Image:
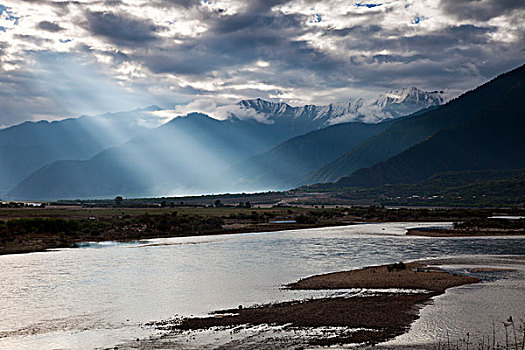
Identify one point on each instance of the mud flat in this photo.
(402, 276)
(389, 301)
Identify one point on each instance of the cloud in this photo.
(480, 10)
(300, 51)
(215, 110)
(174, 3)
(62, 85)
(235, 41)
(121, 29)
(50, 26)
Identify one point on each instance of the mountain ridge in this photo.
(26, 147)
(237, 138)
(283, 165)
(413, 130)
(185, 152)
(492, 140)
(390, 105)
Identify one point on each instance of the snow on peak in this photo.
(411, 95)
(392, 104)
(263, 106)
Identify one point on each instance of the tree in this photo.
(118, 200)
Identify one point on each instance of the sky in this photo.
(67, 58)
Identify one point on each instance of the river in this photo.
(104, 293)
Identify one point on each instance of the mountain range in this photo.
(283, 166)
(482, 129)
(402, 137)
(391, 105)
(195, 153)
(27, 147)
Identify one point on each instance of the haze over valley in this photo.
(103, 156)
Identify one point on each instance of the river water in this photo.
(104, 293)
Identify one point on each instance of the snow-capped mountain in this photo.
(392, 104)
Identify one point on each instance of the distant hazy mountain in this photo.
(390, 105)
(186, 155)
(26, 147)
(282, 166)
(413, 130)
(482, 129)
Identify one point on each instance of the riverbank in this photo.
(24, 230)
(477, 227)
(365, 318)
(37, 242)
(31, 243)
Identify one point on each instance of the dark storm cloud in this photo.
(469, 33)
(480, 10)
(360, 31)
(241, 39)
(260, 34)
(121, 29)
(263, 6)
(452, 57)
(3, 47)
(395, 58)
(112, 3)
(441, 40)
(267, 48)
(427, 44)
(50, 26)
